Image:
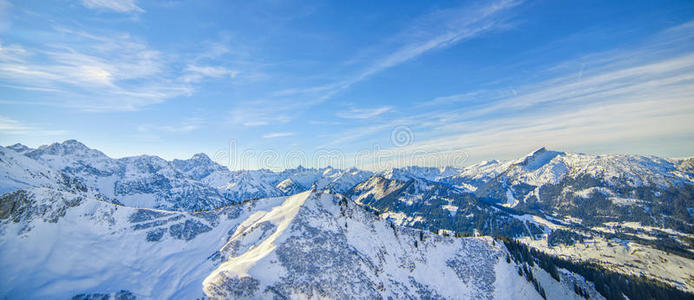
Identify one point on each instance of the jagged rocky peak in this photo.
(289, 187)
(198, 167)
(317, 245)
(686, 164)
(201, 158)
(448, 171)
(65, 148)
(538, 158)
(355, 170)
(395, 174)
(18, 147)
(71, 148)
(413, 172)
(146, 160)
(70, 153)
(487, 163)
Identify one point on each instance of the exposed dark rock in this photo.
(121, 295)
(188, 230)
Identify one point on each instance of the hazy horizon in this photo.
(287, 161)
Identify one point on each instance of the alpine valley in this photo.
(75, 223)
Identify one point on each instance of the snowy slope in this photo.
(69, 202)
(73, 244)
(548, 167)
(427, 173)
(18, 171)
(319, 245)
(310, 245)
(590, 189)
(643, 201)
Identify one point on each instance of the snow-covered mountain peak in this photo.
(298, 236)
(68, 147)
(538, 158)
(198, 167)
(448, 171)
(414, 172)
(289, 187)
(70, 153)
(327, 171)
(19, 171)
(18, 147)
(200, 159)
(320, 245)
(145, 164)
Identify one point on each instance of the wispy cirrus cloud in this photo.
(187, 125)
(195, 73)
(622, 97)
(11, 126)
(278, 135)
(99, 72)
(364, 113)
(258, 113)
(111, 71)
(434, 31)
(437, 30)
(122, 6)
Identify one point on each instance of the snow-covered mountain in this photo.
(591, 190)
(550, 198)
(63, 243)
(310, 245)
(428, 173)
(551, 167)
(433, 205)
(80, 220)
(146, 181)
(319, 245)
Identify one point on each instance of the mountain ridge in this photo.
(547, 199)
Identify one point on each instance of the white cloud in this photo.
(122, 6)
(443, 29)
(95, 72)
(13, 127)
(623, 101)
(260, 113)
(458, 98)
(434, 31)
(195, 73)
(278, 134)
(187, 125)
(255, 123)
(364, 113)
(605, 126)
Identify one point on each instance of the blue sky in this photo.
(409, 82)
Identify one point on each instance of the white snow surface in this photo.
(545, 166)
(150, 181)
(309, 245)
(94, 248)
(274, 252)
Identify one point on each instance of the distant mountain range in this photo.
(78, 221)
(147, 181)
